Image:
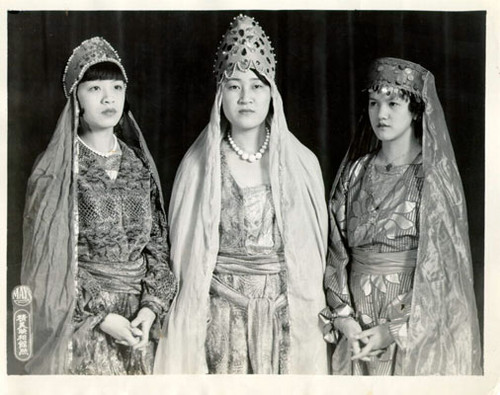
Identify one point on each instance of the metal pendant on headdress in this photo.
(244, 46)
(392, 74)
(88, 53)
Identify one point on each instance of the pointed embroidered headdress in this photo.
(244, 46)
(88, 53)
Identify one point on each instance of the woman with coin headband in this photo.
(248, 230)
(399, 275)
(95, 251)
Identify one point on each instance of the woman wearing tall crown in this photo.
(95, 253)
(248, 228)
(399, 273)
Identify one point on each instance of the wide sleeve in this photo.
(336, 280)
(159, 284)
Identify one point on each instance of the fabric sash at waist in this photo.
(244, 264)
(117, 276)
(262, 326)
(381, 263)
(217, 287)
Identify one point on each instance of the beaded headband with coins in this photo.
(88, 53)
(244, 46)
(396, 76)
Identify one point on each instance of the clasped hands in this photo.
(133, 333)
(374, 340)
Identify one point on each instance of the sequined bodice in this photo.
(248, 221)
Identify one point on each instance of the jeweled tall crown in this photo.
(396, 73)
(244, 46)
(88, 53)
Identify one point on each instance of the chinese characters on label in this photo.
(22, 321)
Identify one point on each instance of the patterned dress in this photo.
(376, 211)
(248, 329)
(122, 259)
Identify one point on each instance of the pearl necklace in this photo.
(245, 155)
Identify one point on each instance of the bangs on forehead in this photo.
(103, 71)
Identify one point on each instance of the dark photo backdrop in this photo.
(322, 57)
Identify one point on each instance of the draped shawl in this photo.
(443, 332)
(194, 216)
(50, 235)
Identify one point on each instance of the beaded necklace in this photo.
(245, 155)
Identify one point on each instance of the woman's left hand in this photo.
(144, 319)
(375, 339)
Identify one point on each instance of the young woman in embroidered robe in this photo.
(95, 251)
(399, 274)
(248, 230)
